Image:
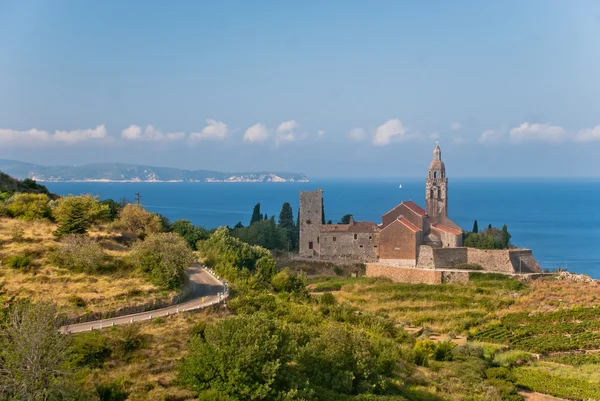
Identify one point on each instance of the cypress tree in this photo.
(256, 216)
(505, 237)
(266, 217)
(322, 212)
(475, 227)
(286, 217)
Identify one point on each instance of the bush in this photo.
(137, 220)
(190, 233)
(89, 349)
(18, 261)
(28, 206)
(164, 257)
(287, 281)
(129, 340)
(468, 266)
(512, 358)
(79, 254)
(443, 351)
(327, 299)
(469, 350)
(76, 300)
(75, 214)
(111, 392)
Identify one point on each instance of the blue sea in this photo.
(558, 218)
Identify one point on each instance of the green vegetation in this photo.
(138, 221)
(566, 387)
(190, 233)
(490, 238)
(11, 185)
(164, 257)
(76, 214)
(564, 330)
(27, 206)
(79, 253)
(346, 219)
(267, 233)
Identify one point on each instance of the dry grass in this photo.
(151, 372)
(550, 294)
(99, 292)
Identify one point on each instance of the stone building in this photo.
(396, 240)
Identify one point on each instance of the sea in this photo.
(559, 219)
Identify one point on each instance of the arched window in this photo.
(435, 174)
(431, 193)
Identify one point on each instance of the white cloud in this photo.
(215, 130)
(134, 132)
(357, 134)
(81, 134)
(30, 137)
(286, 131)
(537, 132)
(459, 139)
(455, 126)
(589, 134)
(391, 130)
(320, 132)
(35, 137)
(489, 136)
(257, 133)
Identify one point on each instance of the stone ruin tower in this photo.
(436, 188)
(311, 210)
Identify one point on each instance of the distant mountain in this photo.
(117, 172)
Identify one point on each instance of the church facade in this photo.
(396, 240)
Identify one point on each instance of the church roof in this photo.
(408, 224)
(447, 229)
(357, 227)
(415, 208)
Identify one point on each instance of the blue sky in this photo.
(328, 88)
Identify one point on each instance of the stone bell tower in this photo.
(436, 187)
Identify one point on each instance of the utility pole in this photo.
(137, 198)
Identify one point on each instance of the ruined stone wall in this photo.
(494, 260)
(343, 246)
(404, 275)
(399, 242)
(455, 277)
(311, 204)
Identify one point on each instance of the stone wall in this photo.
(344, 246)
(455, 277)
(448, 239)
(494, 260)
(404, 275)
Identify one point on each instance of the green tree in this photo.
(28, 206)
(33, 355)
(256, 215)
(322, 212)
(286, 217)
(190, 233)
(505, 237)
(346, 219)
(113, 208)
(243, 358)
(75, 214)
(238, 225)
(164, 257)
(264, 233)
(475, 227)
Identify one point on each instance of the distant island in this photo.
(119, 172)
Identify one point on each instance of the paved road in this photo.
(205, 293)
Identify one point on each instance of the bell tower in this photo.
(436, 187)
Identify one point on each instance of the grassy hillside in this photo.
(76, 293)
(10, 184)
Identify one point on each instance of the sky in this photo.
(328, 88)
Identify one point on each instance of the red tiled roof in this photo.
(408, 224)
(415, 208)
(446, 229)
(357, 227)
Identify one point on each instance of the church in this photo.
(396, 240)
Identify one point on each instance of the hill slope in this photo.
(137, 173)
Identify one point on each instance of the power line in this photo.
(138, 197)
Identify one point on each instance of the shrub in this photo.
(469, 350)
(443, 351)
(190, 233)
(501, 373)
(129, 340)
(75, 214)
(512, 358)
(287, 281)
(137, 220)
(28, 206)
(468, 266)
(164, 257)
(76, 300)
(327, 299)
(18, 261)
(79, 254)
(89, 349)
(111, 392)
(338, 271)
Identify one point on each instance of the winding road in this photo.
(206, 290)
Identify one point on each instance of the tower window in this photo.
(435, 174)
(355, 236)
(431, 193)
(310, 245)
(334, 239)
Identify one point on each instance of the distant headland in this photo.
(119, 172)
